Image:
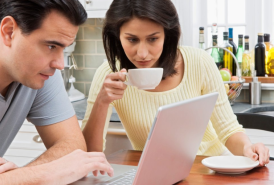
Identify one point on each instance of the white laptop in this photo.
(171, 146)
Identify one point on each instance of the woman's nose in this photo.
(142, 51)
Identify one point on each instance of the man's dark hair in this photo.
(30, 14)
(162, 12)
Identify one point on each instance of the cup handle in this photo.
(128, 82)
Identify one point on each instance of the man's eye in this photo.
(52, 47)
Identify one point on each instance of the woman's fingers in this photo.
(258, 152)
(119, 76)
(263, 153)
(115, 84)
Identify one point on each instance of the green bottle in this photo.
(240, 51)
(215, 53)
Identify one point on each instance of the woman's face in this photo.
(142, 41)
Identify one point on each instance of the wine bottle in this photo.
(227, 57)
(231, 42)
(268, 62)
(260, 56)
(240, 51)
(246, 61)
(214, 53)
(201, 38)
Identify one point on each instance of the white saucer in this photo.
(230, 164)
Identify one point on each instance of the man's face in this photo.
(35, 57)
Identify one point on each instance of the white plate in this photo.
(230, 164)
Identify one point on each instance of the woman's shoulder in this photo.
(104, 67)
(192, 51)
(192, 55)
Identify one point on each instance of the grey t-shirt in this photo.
(44, 106)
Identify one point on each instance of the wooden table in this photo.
(260, 79)
(200, 174)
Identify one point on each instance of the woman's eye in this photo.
(52, 47)
(152, 39)
(132, 40)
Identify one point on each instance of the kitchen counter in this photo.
(80, 109)
(116, 128)
(248, 108)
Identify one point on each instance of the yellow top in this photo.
(137, 108)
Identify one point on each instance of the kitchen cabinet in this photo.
(96, 8)
(26, 146)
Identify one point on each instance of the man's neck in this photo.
(5, 81)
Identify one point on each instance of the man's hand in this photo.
(76, 165)
(6, 165)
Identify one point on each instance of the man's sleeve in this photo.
(51, 104)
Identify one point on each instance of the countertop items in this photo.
(260, 79)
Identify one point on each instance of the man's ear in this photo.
(7, 27)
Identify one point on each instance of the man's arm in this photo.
(60, 139)
(64, 170)
(25, 175)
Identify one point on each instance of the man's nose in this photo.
(58, 62)
(142, 50)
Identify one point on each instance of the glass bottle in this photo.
(240, 51)
(231, 42)
(214, 29)
(268, 47)
(246, 60)
(227, 57)
(260, 56)
(214, 53)
(201, 38)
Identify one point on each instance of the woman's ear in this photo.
(7, 28)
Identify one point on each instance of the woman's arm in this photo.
(239, 144)
(112, 89)
(224, 121)
(94, 129)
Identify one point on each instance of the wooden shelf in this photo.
(260, 79)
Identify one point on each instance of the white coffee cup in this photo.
(144, 78)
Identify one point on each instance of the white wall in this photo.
(193, 14)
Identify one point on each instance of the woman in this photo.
(145, 34)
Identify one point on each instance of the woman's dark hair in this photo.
(162, 12)
(30, 14)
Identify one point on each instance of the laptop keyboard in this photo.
(124, 179)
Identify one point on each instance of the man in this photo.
(33, 34)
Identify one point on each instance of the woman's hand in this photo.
(257, 152)
(6, 165)
(113, 87)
